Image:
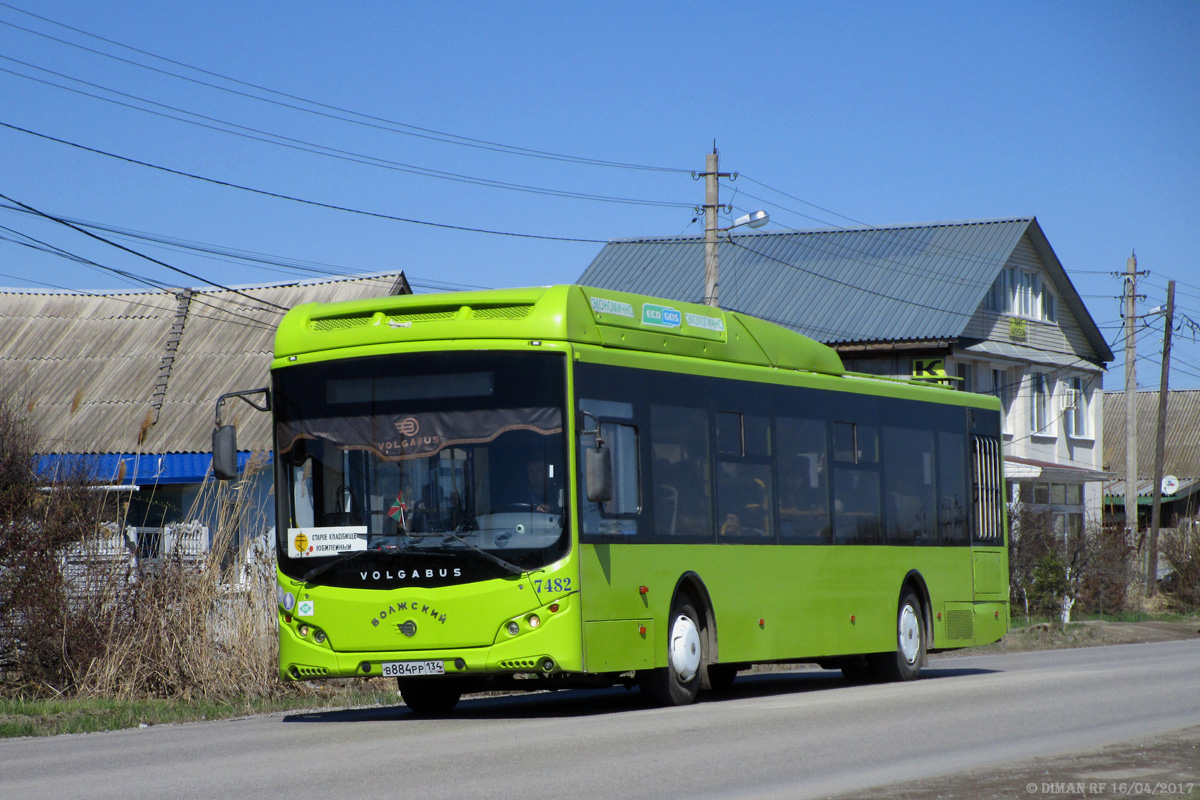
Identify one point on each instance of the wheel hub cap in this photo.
(684, 650)
(910, 634)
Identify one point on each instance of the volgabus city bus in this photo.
(565, 486)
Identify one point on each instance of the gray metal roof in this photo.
(86, 366)
(1181, 451)
(879, 284)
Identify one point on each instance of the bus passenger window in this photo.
(857, 512)
(908, 479)
(619, 516)
(681, 471)
(744, 504)
(627, 490)
(952, 487)
(802, 445)
(744, 500)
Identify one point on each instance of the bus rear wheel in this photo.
(905, 663)
(426, 697)
(678, 683)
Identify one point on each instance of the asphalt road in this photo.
(779, 735)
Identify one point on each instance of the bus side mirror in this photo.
(224, 452)
(598, 471)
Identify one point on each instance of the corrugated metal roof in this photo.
(1114, 491)
(86, 366)
(854, 285)
(848, 285)
(1181, 449)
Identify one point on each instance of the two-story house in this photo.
(983, 304)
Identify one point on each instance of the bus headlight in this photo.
(513, 628)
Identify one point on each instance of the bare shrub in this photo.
(1181, 552)
(1052, 570)
(1105, 588)
(200, 627)
(49, 632)
(80, 613)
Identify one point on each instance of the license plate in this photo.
(401, 669)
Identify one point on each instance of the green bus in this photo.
(564, 486)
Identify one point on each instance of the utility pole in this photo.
(1131, 520)
(1160, 442)
(711, 204)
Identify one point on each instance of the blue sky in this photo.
(1083, 114)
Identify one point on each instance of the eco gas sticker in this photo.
(705, 322)
(602, 305)
(306, 608)
(660, 316)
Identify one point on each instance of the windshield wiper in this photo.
(495, 559)
(343, 558)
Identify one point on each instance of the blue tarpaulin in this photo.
(140, 469)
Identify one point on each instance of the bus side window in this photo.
(627, 488)
(952, 487)
(682, 472)
(857, 511)
(744, 503)
(620, 516)
(802, 446)
(908, 478)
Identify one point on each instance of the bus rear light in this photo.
(554, 608)
(534, 620)
(513, 629)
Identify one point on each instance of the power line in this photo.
(314, 148)
(280, 196)
(368, 120)
(130, 250)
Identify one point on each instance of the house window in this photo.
(1041, 388)
(1002, 387)
(1021, 292)
(1061, 503)
(1075, 413)
(966, 377)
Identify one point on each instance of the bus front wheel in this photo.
(428, 697)
(678, 683)
(905, 663)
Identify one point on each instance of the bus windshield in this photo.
(420, 469)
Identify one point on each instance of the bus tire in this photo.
(678, 683)
(428, 698)
(904, 664)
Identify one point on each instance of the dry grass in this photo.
(200, 627)
(82, 616)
